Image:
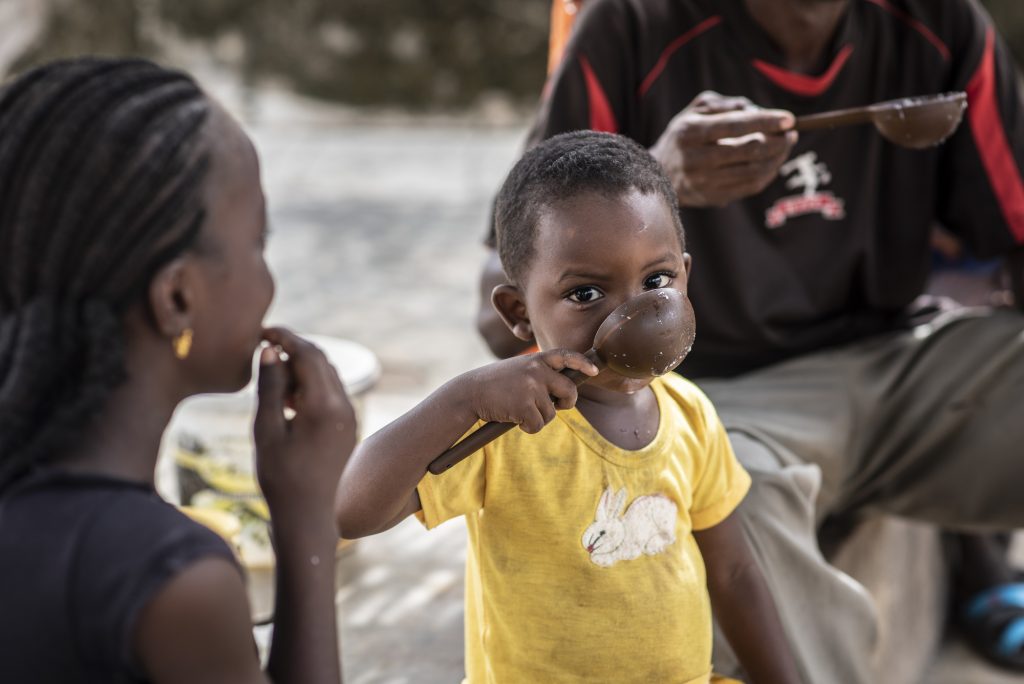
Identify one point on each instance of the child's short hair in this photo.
(564, 166)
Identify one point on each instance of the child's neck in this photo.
(629, 421)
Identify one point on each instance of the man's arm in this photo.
(744, 606)
(980, 196)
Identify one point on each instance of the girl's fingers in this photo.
(309, 366)
(272, 387)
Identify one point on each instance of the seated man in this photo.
(812, 250)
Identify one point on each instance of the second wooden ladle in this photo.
(644, 337)
(915, 122)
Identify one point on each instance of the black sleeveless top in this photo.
(80, 557)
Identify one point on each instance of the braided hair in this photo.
(101, 170)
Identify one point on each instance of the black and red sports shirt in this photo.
(838, 246)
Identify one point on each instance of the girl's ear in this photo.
(171, 299)
(687, 266)
(508, 301)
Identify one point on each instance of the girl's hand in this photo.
(526, 390)
(299, 459)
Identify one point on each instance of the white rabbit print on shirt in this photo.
(647, 527)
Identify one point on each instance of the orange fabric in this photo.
(532, 349)
(563, 16)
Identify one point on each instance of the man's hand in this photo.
(720, 149)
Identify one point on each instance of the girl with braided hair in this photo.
(132, 226)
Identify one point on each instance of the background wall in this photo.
(436, 55)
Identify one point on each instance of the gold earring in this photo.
(183, 344)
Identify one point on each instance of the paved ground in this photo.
(375, 238)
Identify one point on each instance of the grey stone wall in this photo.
(440, 55)
(418, 54)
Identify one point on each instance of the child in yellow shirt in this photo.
(593, 545)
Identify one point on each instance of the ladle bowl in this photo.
(644, 337)
(914, 122)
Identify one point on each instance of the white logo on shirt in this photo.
(648, 527)
(805, 171)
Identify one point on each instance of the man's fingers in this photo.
(711, 101)
(757, 170)
(704, 98)
(706, 128)
(734, 173)
(725, 193)
(752, 149)
(722, 104)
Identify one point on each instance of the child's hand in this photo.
(299, 460)
(526, 390)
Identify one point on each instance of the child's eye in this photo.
(653, 282)
(584, 295)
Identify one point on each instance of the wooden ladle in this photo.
(914, 122)
(644, 337)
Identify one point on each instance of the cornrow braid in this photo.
(101, 170)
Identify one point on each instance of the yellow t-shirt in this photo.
(582, 566)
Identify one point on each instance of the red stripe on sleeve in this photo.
(990, 137)
(602, 118)
(679, 42)
(802, 84)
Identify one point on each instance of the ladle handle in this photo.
(835, 119)
(489, 432)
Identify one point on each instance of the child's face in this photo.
(593, 253)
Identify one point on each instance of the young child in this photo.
(132, 226)
(594, 544)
